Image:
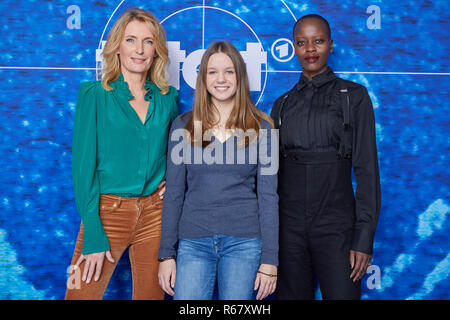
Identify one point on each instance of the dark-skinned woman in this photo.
(327, 127)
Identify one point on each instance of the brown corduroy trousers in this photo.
(128, 222)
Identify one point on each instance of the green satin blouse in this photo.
(113, 152)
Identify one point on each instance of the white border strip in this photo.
(287, 7)
(110, 17)
(203, 25)
(371, 72)
(268, 71)
(47, 68)
(410, 73)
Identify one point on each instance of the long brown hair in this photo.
(244, 116)
(157, 72)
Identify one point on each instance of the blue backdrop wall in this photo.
(397, 49)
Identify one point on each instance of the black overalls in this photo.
(320, 218)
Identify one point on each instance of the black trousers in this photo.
(317, 216)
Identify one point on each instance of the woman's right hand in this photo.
(167, 275)
(94, 263)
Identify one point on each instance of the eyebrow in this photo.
(315, 37)
(216, 68)
(131, 36)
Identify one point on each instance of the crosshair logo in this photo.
(185, 56)
(254, 55)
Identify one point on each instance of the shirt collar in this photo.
(122, 88)
(317, 81)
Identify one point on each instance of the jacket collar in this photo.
(317, 81)
(122, 88)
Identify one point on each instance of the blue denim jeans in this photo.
(231, 261)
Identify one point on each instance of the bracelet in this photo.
(166, 258)
(268, 274)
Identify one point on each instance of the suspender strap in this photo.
(345, 147)
(346, 110)
(279, 122)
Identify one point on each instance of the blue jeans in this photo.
(232, 261)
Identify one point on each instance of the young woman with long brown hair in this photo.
(221, 203)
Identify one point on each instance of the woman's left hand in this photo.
(266, 281)
(163, 190)
(359, 262)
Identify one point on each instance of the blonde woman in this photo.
(222, 208)
(119, 158)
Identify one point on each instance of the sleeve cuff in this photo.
(166, 252)
(94, 236)
(269, 258)
(363, 241)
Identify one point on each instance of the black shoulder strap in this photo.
(280, 110)
(279, 120)
(345, 147)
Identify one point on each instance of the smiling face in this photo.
(312, 46)
(137, 50)
(221, 80)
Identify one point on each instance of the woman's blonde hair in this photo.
(244, 116)
(157, 72)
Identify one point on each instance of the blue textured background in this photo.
(38, 217)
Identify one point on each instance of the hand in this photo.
(167, 275)
(264, 281)
(163, 190)
(359, 262)
(94, 262)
